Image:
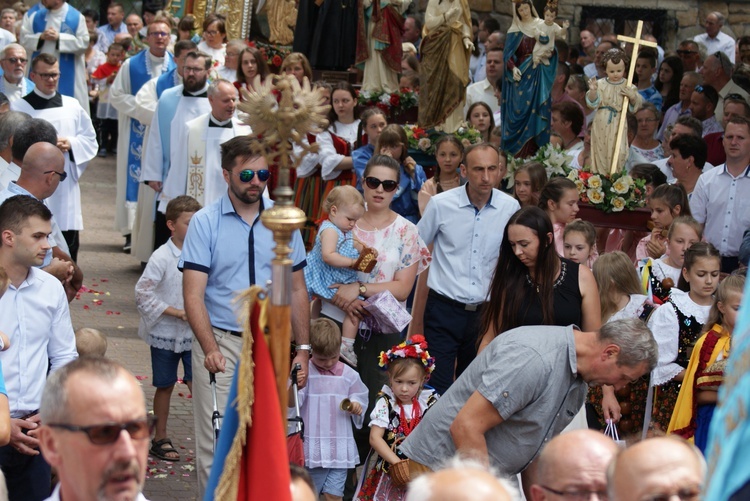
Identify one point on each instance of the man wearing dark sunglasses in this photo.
(96, 431)
(227, 249)
(14, 83)
(34, 314)
(717, 72)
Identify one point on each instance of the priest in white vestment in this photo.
(196, 168)
(132, 121)
(76, 138)
(176, 107)
(145, 100)
(59, 29)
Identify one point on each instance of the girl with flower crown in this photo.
(398, 410)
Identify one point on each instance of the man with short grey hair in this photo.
(8, 124)
(524, 388)
(96, 431)
(714, 39)
(14, 83)
(657, 468)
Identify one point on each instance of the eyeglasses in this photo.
(388, 186)
(686, 494)
(48, 76)
(190, 69)
(158, 34)
(16, 60)
(734, 97)
(699, 89)
(647, 120)
(211, 33)
(247, 175)
(63, 175)
(108, 433)
(577, 495)
(686, 52)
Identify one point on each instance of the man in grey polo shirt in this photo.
(524, 388)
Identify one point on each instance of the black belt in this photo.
(453, 302)
(231, 333)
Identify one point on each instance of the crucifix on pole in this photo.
(637, 42)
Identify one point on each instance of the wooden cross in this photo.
(637, 42)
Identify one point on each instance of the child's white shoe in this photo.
(347, 355)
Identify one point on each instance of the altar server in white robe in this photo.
(76, 138)
(176, 107)
(132, 121)
(57, 28)
(196, 169)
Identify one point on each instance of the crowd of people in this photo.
(457, 314)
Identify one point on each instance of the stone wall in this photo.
(688, 14)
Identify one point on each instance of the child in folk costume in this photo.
(398, 410)
(677, 324)
(704, 375)
(658, 276)
(620, 296)
(667, 202)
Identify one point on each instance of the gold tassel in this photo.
(230, 476)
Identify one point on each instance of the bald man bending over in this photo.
(561, 474)
(462, 480)
(662, 467)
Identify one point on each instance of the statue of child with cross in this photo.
(610, 96)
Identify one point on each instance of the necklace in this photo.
(405, 427)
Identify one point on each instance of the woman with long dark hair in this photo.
(668, 81)
(533, 285)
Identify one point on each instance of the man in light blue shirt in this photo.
(114, 27)
(227, 249)
(464, 228)
(34, 313)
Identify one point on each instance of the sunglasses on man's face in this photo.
(247, 175)
(108, 433)
(388, 186)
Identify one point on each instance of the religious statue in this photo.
(606, 96)
(527, 88)
(326, 33)
(379, 30)
(546, 33)
(446, 39)
(282, 16)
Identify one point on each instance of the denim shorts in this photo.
(329, 480)
(164, 365)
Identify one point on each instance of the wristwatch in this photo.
(362, 289)
(303, 347)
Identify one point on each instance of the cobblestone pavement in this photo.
(107, 303)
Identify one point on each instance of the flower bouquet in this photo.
(424, 140)
(274, 54)
(614, 193)
(556, 162)
(390, 102)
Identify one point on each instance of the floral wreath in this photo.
(414, 347)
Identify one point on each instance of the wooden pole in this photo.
(637, 42)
